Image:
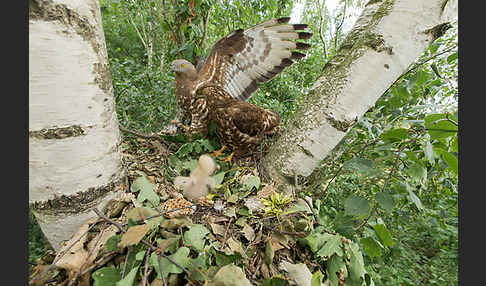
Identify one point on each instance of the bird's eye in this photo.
(183, 66)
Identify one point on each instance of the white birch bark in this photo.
(74, 155)
(387, 37)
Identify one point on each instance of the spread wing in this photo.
(244, 58)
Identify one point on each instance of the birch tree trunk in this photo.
(387, 37)
(74, 154)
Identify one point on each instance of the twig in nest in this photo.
(107, 257)
(226, 232)
(125, 263)
(86, 260)
(159, 257)
(43, 273)
(145, 271)
(145, 136)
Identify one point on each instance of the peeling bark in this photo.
(74, 155)
(387, 37)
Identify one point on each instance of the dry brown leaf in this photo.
(157, 282)
(217, 229)
(175, 223)
(259, 236)
(216, 219)
(234, 246)
(248, 232)
(281, 240)
(76, 256)
(133, 235)
(139, 213)
(265, 271)
(297, 272)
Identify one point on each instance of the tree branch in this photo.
(205, 32)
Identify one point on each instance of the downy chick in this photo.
(196, 185)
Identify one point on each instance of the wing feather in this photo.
(245, 58)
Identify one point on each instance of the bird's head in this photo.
(207, 164)
(182, 66)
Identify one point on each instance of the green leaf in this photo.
(394, 135)
(371, 247)
(231, 275)
(344, 224)
(207, 145)
(452, 57)
(197, 148)
(385, 201)
(417, 171)
(129, 279)
(190, 165)
(146, 190)
(333, 245)
(316, 240)
(413, 198)
(195, 237)
(439, 127)
(356, 264)
(225, 259)
(252, 181)
(333, 267)
(181, 257)
(112, 243)
(356, 206)
(454, 145)
(106, 276)
(421, 77)
(451, 160)
(174, 162)
(184, 150)
(364, 166)
(384, 235)
(218, 178)
(434, 47)
(275, 281)
(317, 278)
(269, 252)
(140, 255)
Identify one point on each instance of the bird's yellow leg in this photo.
(229, 158)
(219, 152)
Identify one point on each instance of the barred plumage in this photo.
(236, 65)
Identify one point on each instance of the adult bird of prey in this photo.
(235, 66)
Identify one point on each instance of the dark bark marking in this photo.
(76, 203)
(57, 133)
(343, 125)
(439, 30)
(377, 43)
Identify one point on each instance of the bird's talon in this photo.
(228, 159)
(219, 152)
